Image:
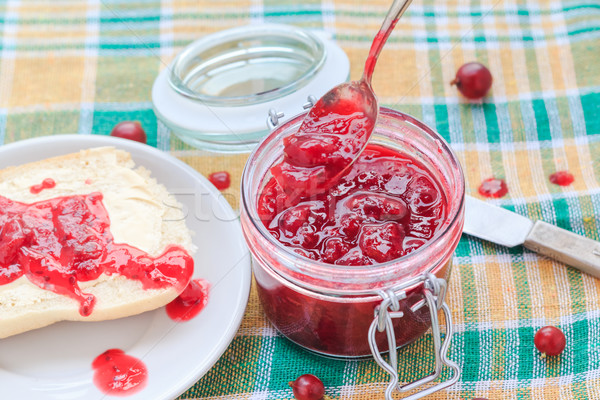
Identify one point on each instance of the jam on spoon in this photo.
(337, 128)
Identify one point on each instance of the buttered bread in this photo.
(87, 237)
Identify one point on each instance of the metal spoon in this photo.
(336, 129)
(358, 97)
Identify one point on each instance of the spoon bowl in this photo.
(331, 136)
(349, 110)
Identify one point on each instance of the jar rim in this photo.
(322, 269)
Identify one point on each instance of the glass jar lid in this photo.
(217, 93)
(247, 66)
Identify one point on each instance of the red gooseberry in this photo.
(308, 387)
(131, 130)
(473, 80)
(550, 341)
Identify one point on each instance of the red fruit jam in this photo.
(60, 242)
(190, 302)
(385, 207)
(221, 179)
(118, 374)
(493, 187)
(47, 183)
(323, 258)
(562, 178)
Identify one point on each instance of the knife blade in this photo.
(506, 228)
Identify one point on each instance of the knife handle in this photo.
(565, 246)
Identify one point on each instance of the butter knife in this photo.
(506, 228)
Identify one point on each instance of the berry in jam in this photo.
(60, 242)
(386, 206)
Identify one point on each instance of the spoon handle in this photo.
(393, 15)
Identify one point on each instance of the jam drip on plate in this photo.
(60, 242)
(190, 302)
(119, 374)
(386, 206)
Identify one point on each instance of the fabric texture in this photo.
(81, 67)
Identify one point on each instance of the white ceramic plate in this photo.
(55, 362)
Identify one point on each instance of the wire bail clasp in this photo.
(434, 290)
(275, 116)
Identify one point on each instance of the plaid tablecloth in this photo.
(82, 66)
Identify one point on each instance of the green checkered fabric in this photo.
(82, 67)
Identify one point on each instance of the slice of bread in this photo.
(142, 214)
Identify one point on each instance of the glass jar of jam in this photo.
(362, 268)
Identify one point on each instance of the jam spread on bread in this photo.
(61, 242)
